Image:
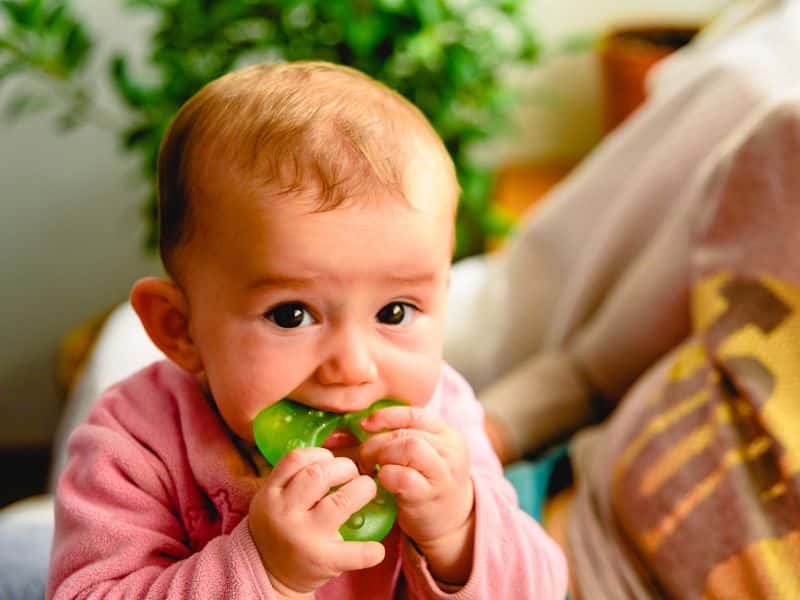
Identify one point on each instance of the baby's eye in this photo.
(396, 313)
(290, 315)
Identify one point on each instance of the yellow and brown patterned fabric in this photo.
(692, 489)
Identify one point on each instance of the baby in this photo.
(306, 224)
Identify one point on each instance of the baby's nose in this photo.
(348, 361)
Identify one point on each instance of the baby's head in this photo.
(307, 223)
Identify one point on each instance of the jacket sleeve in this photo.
(512, 557)
(119, 535)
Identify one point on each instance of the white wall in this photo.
(560, 112)
(562, 17)
(70, 237)
(70, 231)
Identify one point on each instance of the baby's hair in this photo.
(312, 128)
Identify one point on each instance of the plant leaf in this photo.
(20, 12)
(75, 48)
(137, 134)
(133, 94)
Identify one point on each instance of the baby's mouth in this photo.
(339, 439)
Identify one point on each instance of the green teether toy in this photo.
(286, 425)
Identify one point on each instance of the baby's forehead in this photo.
(424, 190)
(243, 218)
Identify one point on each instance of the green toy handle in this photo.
(286, 425)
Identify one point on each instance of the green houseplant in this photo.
(444, 55)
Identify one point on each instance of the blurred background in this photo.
(520, 91)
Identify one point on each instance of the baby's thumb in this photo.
(353, 556)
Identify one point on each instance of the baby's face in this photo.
(333, 309)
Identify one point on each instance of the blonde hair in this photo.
(302, 126)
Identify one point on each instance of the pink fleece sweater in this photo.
(153, 503)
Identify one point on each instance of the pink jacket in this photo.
(154, 501)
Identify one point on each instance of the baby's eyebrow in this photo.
(280, 281)
(294, 282)
(415, 279)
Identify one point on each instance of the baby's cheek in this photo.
(420, 386)
(238, 403)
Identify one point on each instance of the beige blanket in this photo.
(692, 490)
(594, 288)
(664, 276)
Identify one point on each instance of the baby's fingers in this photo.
(294, 461)
(405, 483)
(406, 448)
(403, 417)
(338, 506)
(354, 556)
(313, 481)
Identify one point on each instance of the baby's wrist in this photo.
(281, 590)
(284, 592)
(449, 557)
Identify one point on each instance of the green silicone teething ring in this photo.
(286, 425)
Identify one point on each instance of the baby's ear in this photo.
(164, 312)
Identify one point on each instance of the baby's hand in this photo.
(425, 463)
(295, 522)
